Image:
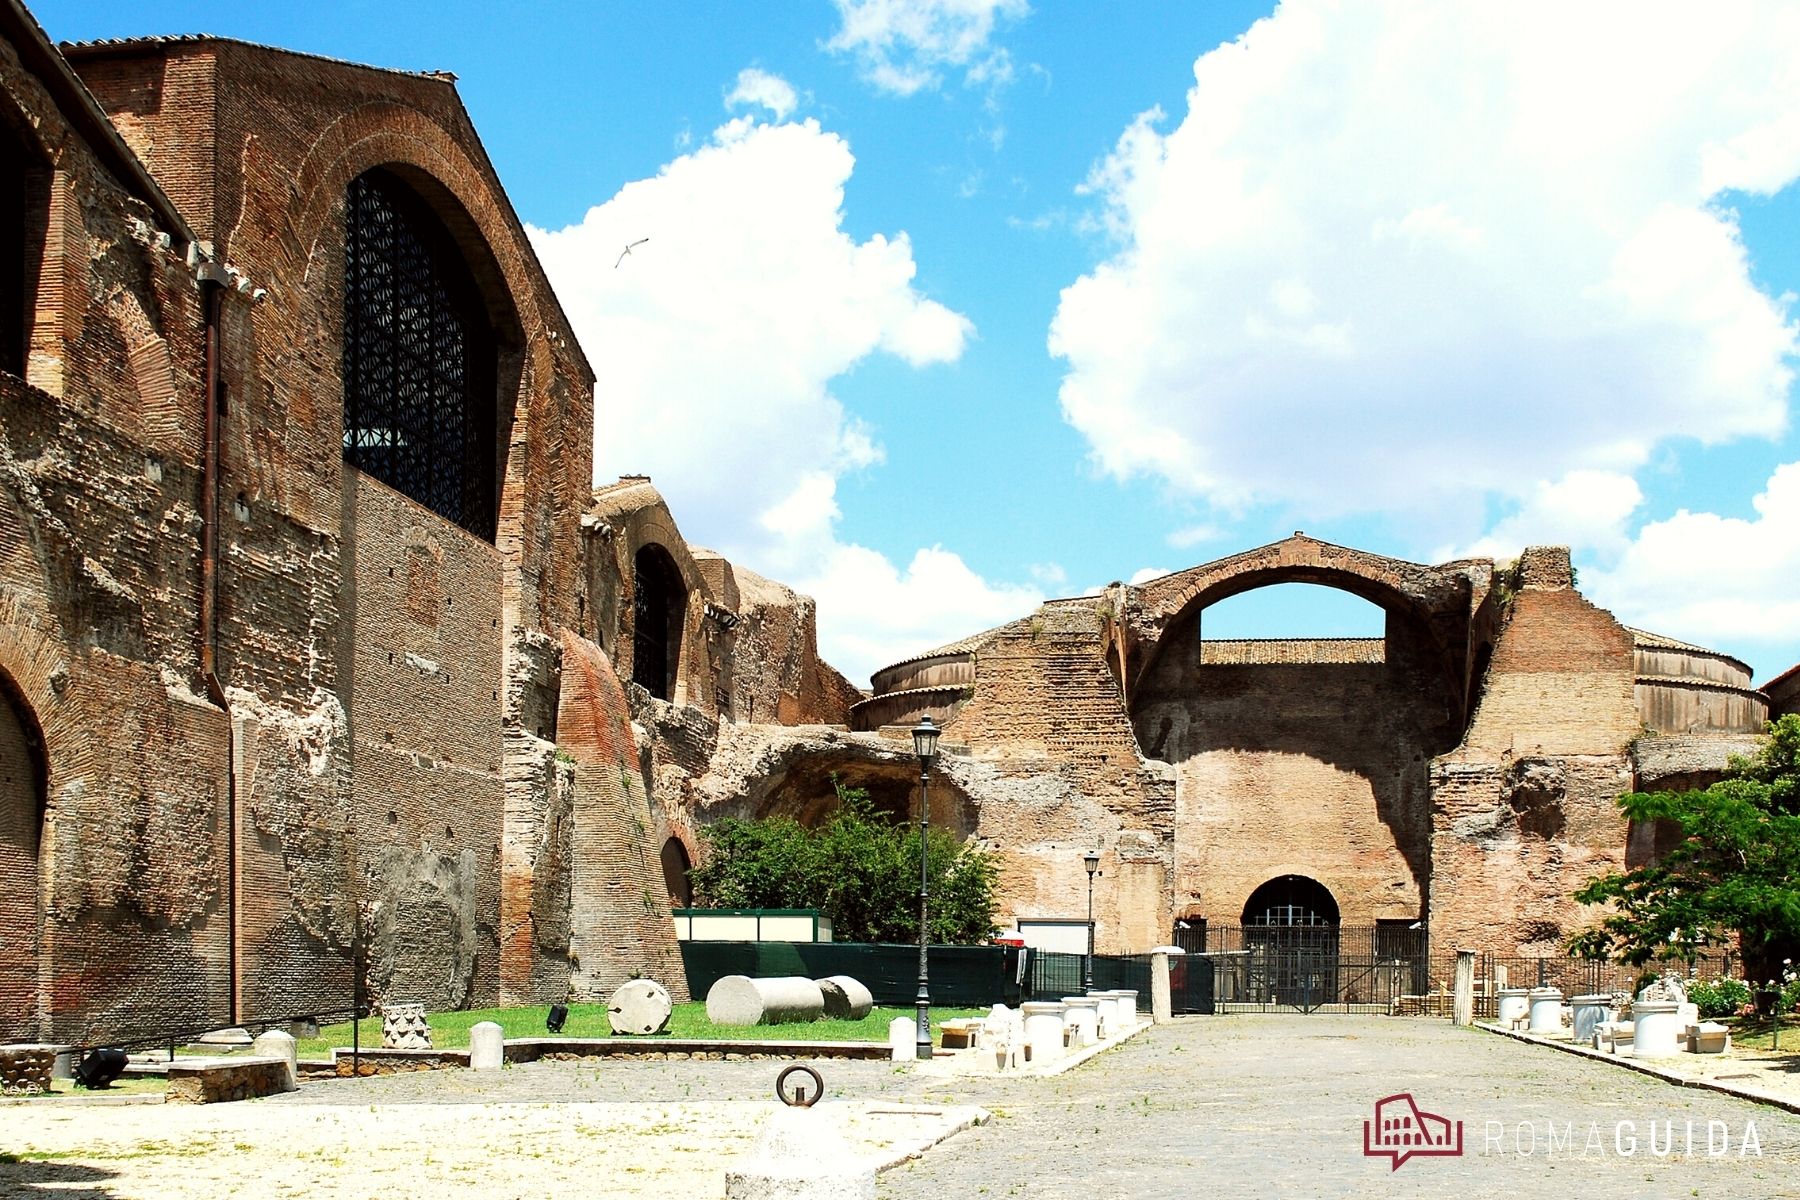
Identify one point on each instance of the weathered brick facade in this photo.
(263, 713)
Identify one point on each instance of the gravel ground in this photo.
(1228, 1105)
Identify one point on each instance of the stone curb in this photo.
(961, 1117)
(1756, 1095)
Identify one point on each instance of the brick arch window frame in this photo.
(21, 864)
(659, 599)
(427, 340)
(25, 178)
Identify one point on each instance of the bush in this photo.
(860, 868)
(1719, 997)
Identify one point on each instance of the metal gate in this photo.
(1305, 969)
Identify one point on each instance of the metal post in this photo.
(924, 1030)
(1087, 962)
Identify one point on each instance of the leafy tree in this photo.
(860, 868)
(1735, 873)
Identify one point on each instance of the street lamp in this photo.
(1090, 860)
(925, 740)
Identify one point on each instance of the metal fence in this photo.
(1574, 976)
(1051, 976)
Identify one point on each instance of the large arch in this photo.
(1307, 749)
(423, 407)
(24, 779)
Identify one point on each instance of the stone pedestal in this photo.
(25, 1069)
(276, 1043)
(802, 1154)
(903, 1039)
(1462, 1004)
(487, 1047)
(1587, 1012)
(639, 1007)
(1162, 1008)
(1513, 1005)
(1546, 1010)
(1657, 1030)
(404, 1027)
(1043, 1029)
(1084, 1014)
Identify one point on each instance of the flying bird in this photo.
(629, 247)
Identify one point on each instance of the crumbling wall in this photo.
(621, 925)
(1524, 811)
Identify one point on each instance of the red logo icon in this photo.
(1402, 1130)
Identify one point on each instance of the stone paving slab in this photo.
(1255, 1106)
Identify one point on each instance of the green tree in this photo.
(859, 867)
(1734, 875)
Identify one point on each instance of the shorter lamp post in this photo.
(1090, 860)
(925, 740)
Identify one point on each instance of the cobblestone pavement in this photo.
(1233, 1106)
(1274, 1106)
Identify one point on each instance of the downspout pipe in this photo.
(212, 281)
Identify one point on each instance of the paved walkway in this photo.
(1234, 1106)
(1274, 1106)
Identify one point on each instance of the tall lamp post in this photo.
(1090, 860)
(925, 740)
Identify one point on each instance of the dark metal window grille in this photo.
(658, 602)
(419, 376)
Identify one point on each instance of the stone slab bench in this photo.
(215, 1081)
(961, 1033)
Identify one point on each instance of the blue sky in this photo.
(950, 305)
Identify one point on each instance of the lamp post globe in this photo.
(1090, 860)
(925, 740)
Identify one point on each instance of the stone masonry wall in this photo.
(1524, 811)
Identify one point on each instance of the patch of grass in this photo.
(1758, 1033)
(450, 1030)
(125, 1085)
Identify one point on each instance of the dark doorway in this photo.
(1291, 932)
(659, 606)
(675, 867)
(21, 820)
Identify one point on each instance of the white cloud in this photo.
(1194, 535)
(756, 86)
(898, 612)
(1585, 510)
(1146, 574)
(716, 341)
(1411, 258)
(1713, 579)
(902, 46)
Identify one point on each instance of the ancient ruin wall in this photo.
(1312, 768)
(1525, 812)
(620, 920)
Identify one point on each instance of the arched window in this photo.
(1292, 901)
(21, 818)
(659, 606)
(24, 198)
(675, 866)
(419, 356)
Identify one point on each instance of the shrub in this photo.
(1719, 997)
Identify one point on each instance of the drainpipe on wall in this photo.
(212, 280)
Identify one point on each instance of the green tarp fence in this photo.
(961, 976)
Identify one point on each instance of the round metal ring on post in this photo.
(796, 1097)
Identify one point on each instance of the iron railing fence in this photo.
(1574, 976)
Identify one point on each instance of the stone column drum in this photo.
(1128, 1004)
(1587, 1012)
(1084, 1014)
(1044, 1029)
(1657, 1031)
(1513, 1005)
(1546, 1010)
